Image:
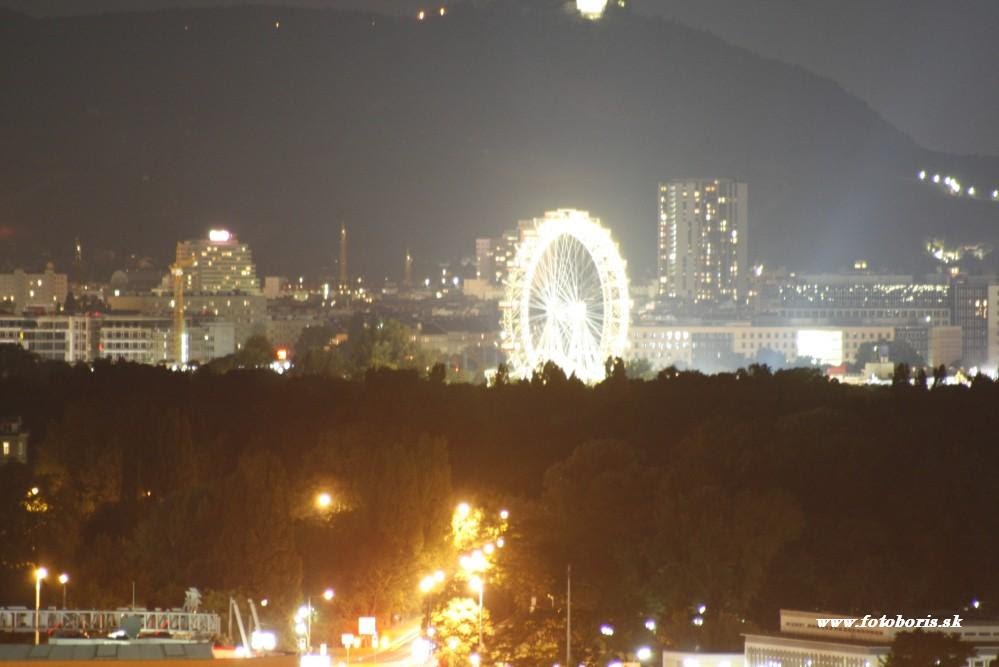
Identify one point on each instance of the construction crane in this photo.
(234, 609)
(177, 273)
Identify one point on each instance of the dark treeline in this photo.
(744, 492)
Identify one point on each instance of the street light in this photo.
(64, 579)
(303, 618)
(324, 500)
(40, 573)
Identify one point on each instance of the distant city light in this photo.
(606, 630)
(591, 9)
(936, 178)
(328, 594)
(650, 625)
(420, 15)
(219, 235)
(644, 653)
(922, 175)
(324, 500)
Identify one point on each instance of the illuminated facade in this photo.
(46, 291)
(246, 312)
(801, 643)
(860, 299)
(13, 441)
(706, 346)
(217, 264)
(701, 346)
(970, 303)
(703, 258)
(493, 256)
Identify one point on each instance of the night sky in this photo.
(130, 132)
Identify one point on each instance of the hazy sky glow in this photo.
(926, 65)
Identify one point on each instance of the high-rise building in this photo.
(703, 258)
(218, 264)
(970, 298)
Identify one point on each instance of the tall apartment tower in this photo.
(218, 264)
(703, 257)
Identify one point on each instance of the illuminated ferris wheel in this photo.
(567, 297)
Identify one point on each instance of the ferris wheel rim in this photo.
(608, 269)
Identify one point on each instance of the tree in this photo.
(614, 369)
(313, 338)
(549, 374)
(256, 352)
(640, 369)
(901, 376)
(928, 649)
(502, 377)
(438, 373)
(897, 351)
(457, 625)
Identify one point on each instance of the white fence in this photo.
(174, 621)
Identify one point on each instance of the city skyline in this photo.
(499, 333)
(431, 203)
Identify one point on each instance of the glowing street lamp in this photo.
(303, 618)
(324, 500)
(40, 574)
(63, 579)
(644, 654)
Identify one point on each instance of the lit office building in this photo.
(970, 303)
(801, 642)
(217, 264)
(45, 292)
(830, 299)
(13, 441)
(709, 346)
(703, 257)
(246, 312)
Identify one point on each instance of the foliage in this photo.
(933, 649)
(457, 629)
(745, 492)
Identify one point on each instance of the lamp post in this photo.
(40, 573)
(64, 579)
(328, 595)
